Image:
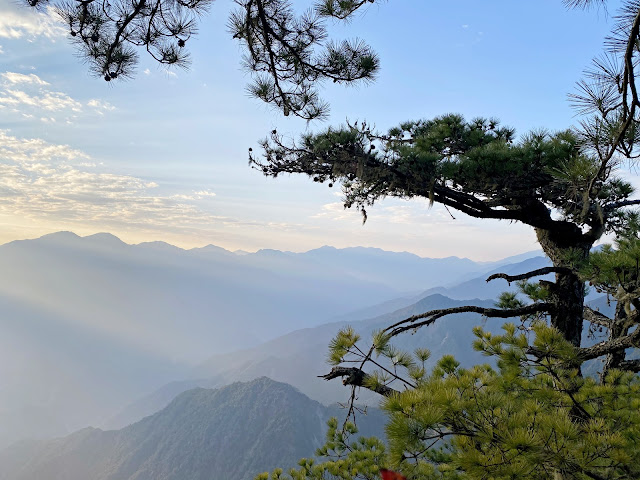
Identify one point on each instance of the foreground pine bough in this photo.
(287, 54)
(532, 417)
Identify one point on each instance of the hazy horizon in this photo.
(91, 323)
(88, 156)
(239, 250)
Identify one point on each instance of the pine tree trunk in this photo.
(618, 329)
(567, 293)
(568, 297)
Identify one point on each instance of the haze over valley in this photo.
(294, 240)
(93, 325)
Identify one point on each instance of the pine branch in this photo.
(610, 346)
(628, 83)
(431, 316)
(615, 205)
(533, 273)
(358, 378)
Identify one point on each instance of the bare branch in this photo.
(533, 273)
(610, 346)
(431, 316)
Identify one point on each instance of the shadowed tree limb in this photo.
(630, 365)
(533, 273)
(430, 317)
(609, 346)
(615, 205)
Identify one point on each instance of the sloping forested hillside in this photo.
(231, 433)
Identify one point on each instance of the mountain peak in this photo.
(104, 238)
(59, 236)
(226, 433)
(210, 249)
(159, 245)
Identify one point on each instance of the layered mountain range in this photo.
(90, 324)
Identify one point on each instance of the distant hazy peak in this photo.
(105, 239)
(58, 236)
(211, 249)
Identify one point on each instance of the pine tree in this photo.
(537, 415)
(548, 181)
(561, 184)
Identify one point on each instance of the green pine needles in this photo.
(533, 416)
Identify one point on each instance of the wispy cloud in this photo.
(50, 101)
(205, 193)
(40, 180)
(336, 211)
(17, 22)
(391, 211)
(30, 95)
(100, 106)
(14, 78)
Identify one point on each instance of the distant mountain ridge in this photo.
(231, 433)
(90, 323)
(299, 357)
(479, 287)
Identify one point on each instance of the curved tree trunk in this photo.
(566, 249)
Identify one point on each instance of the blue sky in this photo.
(164, 156)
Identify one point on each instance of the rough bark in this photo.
(616, 330)
(525, 276)
(564, 249)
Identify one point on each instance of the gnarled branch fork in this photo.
(595, 317)
(610, 346)
(357, 378)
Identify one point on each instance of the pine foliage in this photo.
(288, 54)
(530, 417)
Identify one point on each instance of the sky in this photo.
(163, 156)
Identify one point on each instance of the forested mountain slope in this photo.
(231, 433)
